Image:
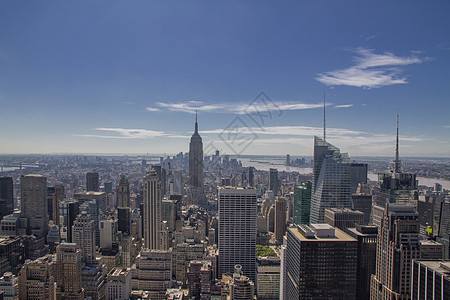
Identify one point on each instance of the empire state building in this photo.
(196, 195)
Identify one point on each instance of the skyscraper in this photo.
(83, 235)
(397, 245)
(152, 210)
(273, 181)
(280, 218)
(68, 269)
(331, 180)
(196, 168)
(358, 174)
(6, 196)
(55, 195)
(123, 193)
(320, 263)
(430, 279)
(395, 187)
(237, 230)
(92, 182)
(34, 205)
(302, 203)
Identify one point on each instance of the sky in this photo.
(129, 76)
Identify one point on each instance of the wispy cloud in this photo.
(343, 105)
(235, 108)
(446, 126)
(152, 109)
(124, 133)
(371, 70)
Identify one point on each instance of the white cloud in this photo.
(343, 105)
(152, 109)
(370, 71)
(237, 108)
(124, 133)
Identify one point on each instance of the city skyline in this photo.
(121, 78)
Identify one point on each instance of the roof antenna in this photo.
(397, 161)
(324, 116)
(196, 124)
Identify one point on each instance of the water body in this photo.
(264, 164)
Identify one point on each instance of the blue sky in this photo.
(127, 76)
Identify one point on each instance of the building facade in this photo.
(237, 230)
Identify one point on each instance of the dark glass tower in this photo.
(6, 196)
(196, 195)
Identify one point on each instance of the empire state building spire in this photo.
(196, 124)
(196, 195)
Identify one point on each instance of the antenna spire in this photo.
(324, 136)
(397, 162)
(196, 124)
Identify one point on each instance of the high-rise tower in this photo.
(152, 210)
(123, 193)
(331, 180)
(6, 196)
(397, 245)
(395, 187)
(196, 195)
(237, 230)
(34, 205)
(92, 182)
(84, 237)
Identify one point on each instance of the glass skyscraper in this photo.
(331, 180)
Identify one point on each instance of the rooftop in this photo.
(339, 235)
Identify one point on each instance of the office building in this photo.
(124, 220)
(397, 245)
(119, 284)
(343, 218)
(302, 203)
(6, 196)
(358, 175)
(363, 203)
(92, 182)
(153, 272)
(367, 255)
(55, 195)
(123, 193)
(395, 187)
(237, 230)
(12, 253)
(94, 203)
(274, 183)
(430, 280)
(280, 218)
(9, 287)
(251, 176)
(83, 236)
(152, 210)
(108, 233)
(331, 180)
(33, 200)
(200, 277)
(268, 278)
(320, 263)
(68, 268)
(196, 192)
(37, 279)
(237, 286)
(69, 210)
(431, 250)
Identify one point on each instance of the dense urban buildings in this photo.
(149, 238)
